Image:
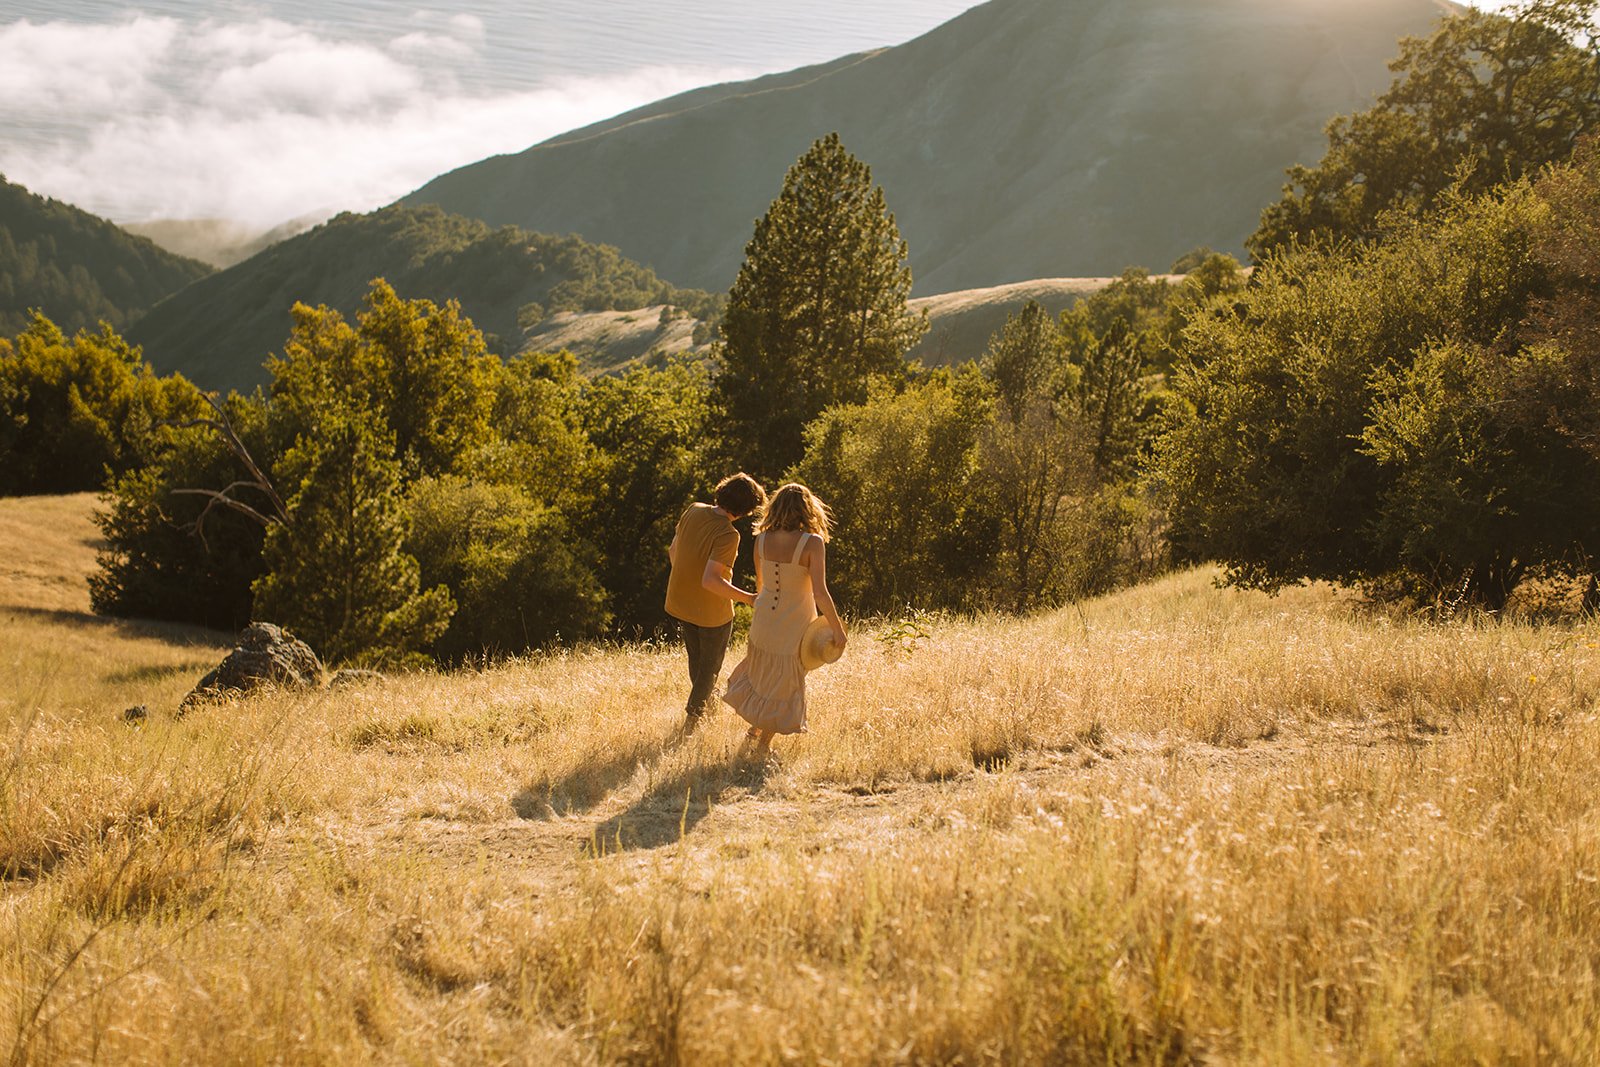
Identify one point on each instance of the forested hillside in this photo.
(78, 268)
(219, 331)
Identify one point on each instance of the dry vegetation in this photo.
(1177, 825)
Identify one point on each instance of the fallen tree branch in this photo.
(224, 497)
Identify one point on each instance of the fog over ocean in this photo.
(273, 110)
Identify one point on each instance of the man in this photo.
(700, 590)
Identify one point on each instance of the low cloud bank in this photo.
(263, 121)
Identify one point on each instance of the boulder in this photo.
(266, 655)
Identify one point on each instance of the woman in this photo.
(768, 689)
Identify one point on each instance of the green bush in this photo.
(156, 564)
(1347, 418)
(899, 473)
(520, 576)
(74, 409)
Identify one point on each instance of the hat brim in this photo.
(817, 646)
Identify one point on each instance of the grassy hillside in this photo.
(960, 325)
(1176, 825)
(55, 653)
(219, 331)
(78, 268)
(1024, 139)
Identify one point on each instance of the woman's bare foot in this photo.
(763, 752)
(747, 744)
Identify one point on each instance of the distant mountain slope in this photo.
(960, 325)
(220, 330)
(78, 268)
(1024, 139)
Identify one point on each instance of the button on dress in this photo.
(768, 688)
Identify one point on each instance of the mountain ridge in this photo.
(77, 268)
(219, 331)
(1022, 139)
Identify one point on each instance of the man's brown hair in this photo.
(739, 494)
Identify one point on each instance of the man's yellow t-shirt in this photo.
(704, 534)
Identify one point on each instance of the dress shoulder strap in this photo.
(800, 547)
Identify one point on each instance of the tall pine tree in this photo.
(818, 309)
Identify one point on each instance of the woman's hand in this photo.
(839, 637)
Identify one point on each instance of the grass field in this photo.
(1175, 825)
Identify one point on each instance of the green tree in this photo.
(1109, 398)
(1192, 259)
(421, 369)
(521, 577)
(158, 563)
(1134, 307)
(538, 441)
(899, 472)
(1027, 360)
(1033, 453)
(1346, 419)
(76, 407)
(336, 572)
(650, 428)
(434, 378)
(817, 311)
(1208, 283)
(13, 420)
(1488, 98)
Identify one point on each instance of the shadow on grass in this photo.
(161, 673)
(675, 805)
(177, 633)
(587, 785)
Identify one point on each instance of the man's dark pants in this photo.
(707, 645)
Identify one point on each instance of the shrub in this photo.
(520, 576)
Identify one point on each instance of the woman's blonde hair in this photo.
(794, 507)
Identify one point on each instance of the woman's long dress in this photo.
(768, 688)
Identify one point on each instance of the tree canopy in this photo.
(1406, 414)
(1488, 98)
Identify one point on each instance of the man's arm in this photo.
(718, 578)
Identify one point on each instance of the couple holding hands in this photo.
(795, 626)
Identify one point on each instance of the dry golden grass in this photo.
(1178, 825)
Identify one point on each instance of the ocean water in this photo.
(276, 109)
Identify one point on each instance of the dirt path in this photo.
(732, 809)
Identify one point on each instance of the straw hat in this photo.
(817, 645)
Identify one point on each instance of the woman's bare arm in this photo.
(817, 564)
